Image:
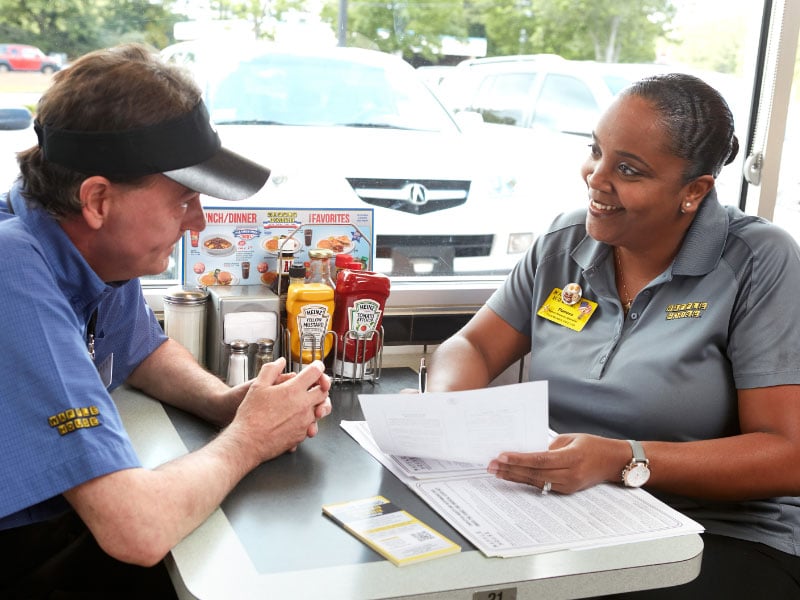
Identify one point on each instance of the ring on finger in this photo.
(546, 488)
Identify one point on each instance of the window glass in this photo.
(787, 204)
(489, 189)
(505, 98)
(566, 103)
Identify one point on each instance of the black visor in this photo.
(186, 149)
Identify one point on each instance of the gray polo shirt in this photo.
(724, 315)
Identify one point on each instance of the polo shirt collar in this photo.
(701, 249)
(78, 282)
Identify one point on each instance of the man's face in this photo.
(142, 226)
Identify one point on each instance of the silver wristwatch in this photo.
(637, 472)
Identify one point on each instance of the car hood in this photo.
(357, 151)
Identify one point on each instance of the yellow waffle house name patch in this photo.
(74, 419)
(687, 310)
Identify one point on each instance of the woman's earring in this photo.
(688, 205)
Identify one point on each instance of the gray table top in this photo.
(270, 539)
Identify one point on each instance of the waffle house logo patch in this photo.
(74, 419)
(688, 310)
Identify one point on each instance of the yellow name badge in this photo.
(574, 316)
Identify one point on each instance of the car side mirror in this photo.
(15, 118)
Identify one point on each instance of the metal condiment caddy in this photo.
(368, 369)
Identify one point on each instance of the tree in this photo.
(602, 30)
(262, 14)
(411, 27)
(74, 27)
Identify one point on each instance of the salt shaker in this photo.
(238, 371)
(264, 354)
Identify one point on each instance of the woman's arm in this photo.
(758, 463)
(478, 353)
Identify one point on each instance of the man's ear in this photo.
(95, 195)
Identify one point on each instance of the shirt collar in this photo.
(78, 282)
(699, 253)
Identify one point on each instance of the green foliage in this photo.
(411, 27)
(74, 27)
(605, 30)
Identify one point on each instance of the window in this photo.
(505, 98)
(566, 104)
(452, 259)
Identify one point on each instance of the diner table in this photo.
(269, 538)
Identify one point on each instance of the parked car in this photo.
(20, 57)
(353, 128)
(538, 91)
(16, 134)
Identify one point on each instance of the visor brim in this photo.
(226, 176)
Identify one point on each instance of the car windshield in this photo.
(279, 89)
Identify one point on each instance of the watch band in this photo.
(638, 452)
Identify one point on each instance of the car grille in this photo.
(431, 246)
(416, 197)
(438, 250)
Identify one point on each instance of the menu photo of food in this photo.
(213, 277)
(340, 244)
(218, 245)
(256, 246)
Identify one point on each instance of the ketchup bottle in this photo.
(359, 304)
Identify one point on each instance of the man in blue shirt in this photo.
(124, 149)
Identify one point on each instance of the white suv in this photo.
(354, 128)
(538, 91)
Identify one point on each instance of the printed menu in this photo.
(251, 246)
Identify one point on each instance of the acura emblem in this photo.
(417, 194)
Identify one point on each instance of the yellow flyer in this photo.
(390, 531)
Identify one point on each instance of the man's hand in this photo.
(280, 410)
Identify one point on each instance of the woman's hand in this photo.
(573, 462)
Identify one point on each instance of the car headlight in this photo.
(519, 242)
(502, 186)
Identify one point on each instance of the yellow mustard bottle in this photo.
(309, 310)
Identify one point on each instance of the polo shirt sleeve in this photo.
(765, 324)
(58, 425)
(512, 300)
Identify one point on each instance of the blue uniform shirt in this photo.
(58, 425)
(723, 316)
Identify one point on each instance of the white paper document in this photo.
(507, 519)
(471, 426)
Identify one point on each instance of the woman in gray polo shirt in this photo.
(674, 363)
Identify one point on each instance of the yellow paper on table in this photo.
(390, 531)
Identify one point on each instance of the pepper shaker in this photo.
(264, 354)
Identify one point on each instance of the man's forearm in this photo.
(172, 375)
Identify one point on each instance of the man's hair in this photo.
(115, 89)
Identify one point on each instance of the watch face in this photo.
(637, 475)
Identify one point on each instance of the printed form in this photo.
(470, 426)
(439, 444)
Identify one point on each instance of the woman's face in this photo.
(635, 183)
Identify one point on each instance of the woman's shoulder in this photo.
(757, 231)
(753, 238)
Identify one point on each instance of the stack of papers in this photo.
(498, 517)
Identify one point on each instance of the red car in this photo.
(19, 57)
